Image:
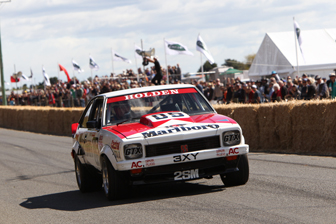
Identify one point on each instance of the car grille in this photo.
(183, 146)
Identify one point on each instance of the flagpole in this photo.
(58, 81)
(44, 82)
(297, 59)
(164, 46)
(202, 67)
(143, 66)
(112, 61)
(73, 72)
(16, 80)
(136, 66)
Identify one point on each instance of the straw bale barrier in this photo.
(303, 127)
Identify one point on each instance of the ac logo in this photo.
(233, 151)
(136, 165)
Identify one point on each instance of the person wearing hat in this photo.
(257, 95)
(322, 91)
(275, 75)
(332, 85)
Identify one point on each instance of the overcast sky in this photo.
(48, 32)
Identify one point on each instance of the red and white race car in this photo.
(152, 135)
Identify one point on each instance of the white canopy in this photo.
(277, 53)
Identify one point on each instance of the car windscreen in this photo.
(130, 108)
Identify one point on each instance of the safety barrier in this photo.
(306, 127)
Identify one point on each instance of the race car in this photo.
(155, 134)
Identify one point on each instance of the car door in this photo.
(83, 130)
(92, 137)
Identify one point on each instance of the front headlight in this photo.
(133, 151)
(231, 138)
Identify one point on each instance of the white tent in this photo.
(277, 53)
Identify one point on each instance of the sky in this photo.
(43, 33)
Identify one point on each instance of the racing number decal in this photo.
(168, 115)
(186, 174)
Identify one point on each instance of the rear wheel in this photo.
(82, 176)
(237, 178)
(114, 185)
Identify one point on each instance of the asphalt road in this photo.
(37, 185)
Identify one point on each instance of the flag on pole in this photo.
(65, 71)
(117, 57)
(201, 47)
(77, 67)
(31, 74)
(25, 77)
(93, 64)
(137, 52)
(175, 48)
(46, 78)
(297, 31)
(14, 79)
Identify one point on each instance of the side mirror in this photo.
(92, 124)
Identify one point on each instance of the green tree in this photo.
(207, 66)
(53, 80)
(249, 59)
(24, 87)
(235, 64)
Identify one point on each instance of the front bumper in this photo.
(187, 157)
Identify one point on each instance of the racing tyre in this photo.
(82, 176)
(114, 185)
(240, 177)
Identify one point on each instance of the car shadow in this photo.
(76, 201)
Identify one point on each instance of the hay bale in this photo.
(43, 120)
(267, 130)
(246, 117)
(283, 125)
(55, 124)
(1, 116)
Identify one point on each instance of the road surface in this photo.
(38, 186)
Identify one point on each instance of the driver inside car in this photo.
(122, 111)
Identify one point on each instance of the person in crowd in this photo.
(257, 98)
(311, 89)
(283, 90)
(209, 91)
(229, 94)
(275, 75)
(304, 90)
(322, 91)
(276, 95)
(198, 85)
(332, 85)
(218, 91)
(158, 73)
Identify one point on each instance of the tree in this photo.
(207, 66)
(240, 65)
(24, 87)
(53, 80)
(249, 59)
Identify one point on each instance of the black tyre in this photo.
(115, 187)
(82, 176)
(237, 178)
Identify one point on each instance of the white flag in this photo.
(46, 78)
(93, 64)
(137, 51)
(117, 57)
(25, 77)
(77, 67)
(297, 31)
(201, 47)
(175, 48)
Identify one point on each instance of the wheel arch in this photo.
(107, 151)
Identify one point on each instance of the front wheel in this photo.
(237, 178)
(114, 185)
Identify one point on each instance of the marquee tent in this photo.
(277, 53)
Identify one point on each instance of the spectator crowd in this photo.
(272, 89)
